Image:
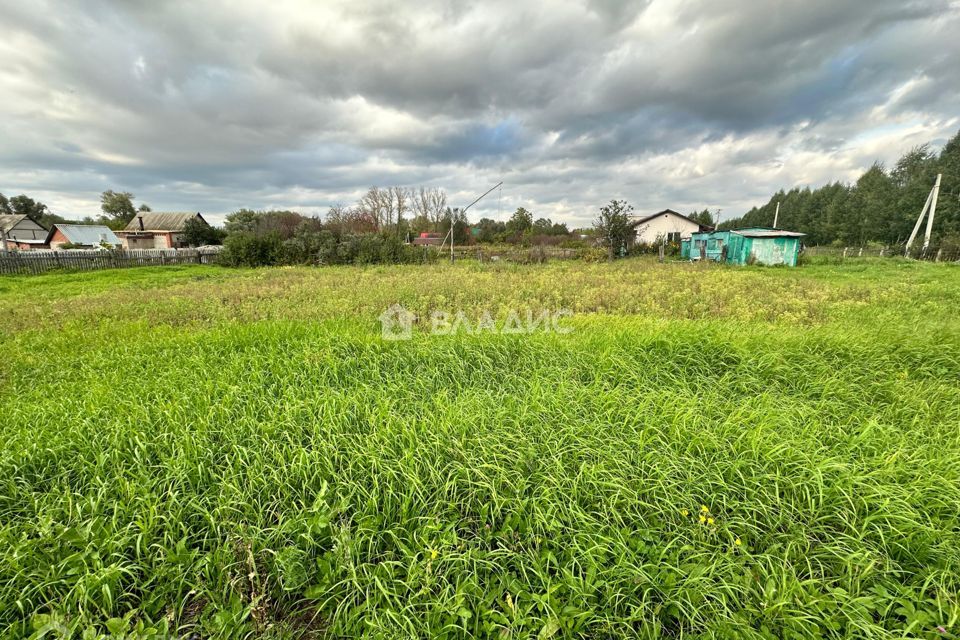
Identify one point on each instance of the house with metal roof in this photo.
(21, 233)
(753, 245)
(156, 230)
(82, 236)
(666, 226)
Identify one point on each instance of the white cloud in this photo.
(214, 105)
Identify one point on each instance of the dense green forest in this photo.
(882, 206)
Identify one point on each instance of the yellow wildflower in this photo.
(433, 554)
(704, 509)
(710, 521)
(738, 542)
(684, 513)
(703, 519)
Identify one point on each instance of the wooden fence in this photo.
(86, 260)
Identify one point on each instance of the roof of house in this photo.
(671, 212)
(768, 233)
(161, 221)
(87, 233)
(9, 221)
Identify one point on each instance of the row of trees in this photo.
(882, 206)
(409, 212)
(377, 229)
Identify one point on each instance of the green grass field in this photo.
(239, 454)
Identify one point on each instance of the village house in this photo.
(82, 236)
(666, 226)
(20, 233)
(156, 230)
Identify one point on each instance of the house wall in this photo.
(771, 251)
(137, 242)
(155, 240)
(657, 228)
(714, 243)
(25, 246)
(58, 240)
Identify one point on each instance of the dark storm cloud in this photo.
(216, 105)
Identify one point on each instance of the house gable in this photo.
(665, 225)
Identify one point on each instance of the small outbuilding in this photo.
(753, 245)
(83, 236)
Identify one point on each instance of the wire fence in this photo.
(950, 253)
(35, 262)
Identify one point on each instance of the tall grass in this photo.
(712, 452)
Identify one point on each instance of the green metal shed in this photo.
(747, 246)
(767, 246)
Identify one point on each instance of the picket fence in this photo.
(17, 262)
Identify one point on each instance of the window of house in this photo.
(673, 236)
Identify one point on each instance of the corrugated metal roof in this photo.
(88, 233)
(770, 233)
(160, 221)
(8, 221)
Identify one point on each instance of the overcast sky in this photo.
(213, 105)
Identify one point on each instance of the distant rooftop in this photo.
(88, 233)
(160, 220)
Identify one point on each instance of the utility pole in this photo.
(933, 209)
(930, 205)
(776, 215)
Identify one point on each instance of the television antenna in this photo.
(463, 211)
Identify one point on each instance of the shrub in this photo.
(592, 254)
(309, 246)
(319, 247)
(250, 250)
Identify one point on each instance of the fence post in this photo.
(939, 252)
(860, 254)
(881, 251)
(844, 252)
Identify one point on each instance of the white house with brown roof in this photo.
(666, 226)
(156, 230)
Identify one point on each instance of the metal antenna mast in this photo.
(464, 210)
